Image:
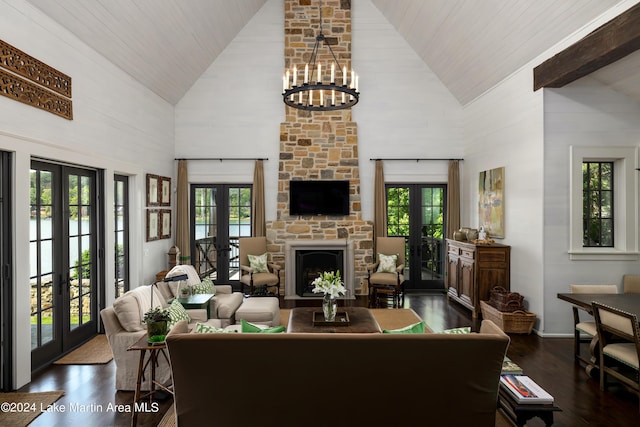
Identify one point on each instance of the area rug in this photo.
(169, 419)
(94, 352)
(20, 409)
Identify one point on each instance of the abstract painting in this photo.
(491, 202)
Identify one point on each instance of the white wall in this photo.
(404, 110)
(235, 108)
(582, 114)
(504, 128)
(118, 126)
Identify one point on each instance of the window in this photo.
(121, 227)
(597, 204)
(603, 204)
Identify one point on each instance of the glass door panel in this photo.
(416, 212)
(64, 263)
(221, 214)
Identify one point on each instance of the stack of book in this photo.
(510, 367)
(525, 390)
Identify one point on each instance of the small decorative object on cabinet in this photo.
(473, 270)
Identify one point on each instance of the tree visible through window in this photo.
(597, 204)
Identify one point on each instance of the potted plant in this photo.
(156, 319)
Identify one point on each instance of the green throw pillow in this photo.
(177, 313)
(205, 287)
(463, 330)
(387, 263)
(258, 263)
(416, 328)
(251, 328)
(203, 328)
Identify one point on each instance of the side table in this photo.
(155, 350)
(197, 301)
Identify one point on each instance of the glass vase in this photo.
(329, 308)
(156, 329)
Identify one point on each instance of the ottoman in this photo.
(260, 310)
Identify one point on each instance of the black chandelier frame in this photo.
(291, 95)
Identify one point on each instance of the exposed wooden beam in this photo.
(605, 45)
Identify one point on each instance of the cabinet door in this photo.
(466, 278)
(452, 273)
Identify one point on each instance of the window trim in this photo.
(625, 204)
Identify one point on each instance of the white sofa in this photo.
(123, 325)
(223, 305)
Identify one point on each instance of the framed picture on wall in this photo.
(153, 225)
(165, 191)
(491, 202)
(165, 224)
(153, 189)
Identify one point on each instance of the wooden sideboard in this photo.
(473, 270)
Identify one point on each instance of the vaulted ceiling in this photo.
(470, 44)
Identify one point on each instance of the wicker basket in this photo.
(504, 300)
(519, 322)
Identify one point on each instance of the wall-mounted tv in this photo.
(318, 197)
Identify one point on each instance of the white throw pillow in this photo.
(387, 263)
(128, 313)
(258, 263)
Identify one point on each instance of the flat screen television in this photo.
(320, 197)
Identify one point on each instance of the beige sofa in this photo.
(340, 379)
(123, 325)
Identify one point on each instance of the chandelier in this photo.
(313, 91)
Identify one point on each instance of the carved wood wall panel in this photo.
(15, 60)
(22, 90)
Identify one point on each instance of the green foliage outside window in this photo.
(597, 204)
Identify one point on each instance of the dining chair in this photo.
(619, 336)
(631, 284)
(585, 330)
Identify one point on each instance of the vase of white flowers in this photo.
(329, 283)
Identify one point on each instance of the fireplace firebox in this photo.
(335, 254)
(310, 263)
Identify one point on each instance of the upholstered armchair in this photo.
(386, 275)
(255, 271)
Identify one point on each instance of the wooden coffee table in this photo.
(360, 321)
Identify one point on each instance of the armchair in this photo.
(255, 271)
(386, 275)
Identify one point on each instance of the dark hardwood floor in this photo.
(548, 361)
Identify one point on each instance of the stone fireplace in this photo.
(304, 259)
(319, 146)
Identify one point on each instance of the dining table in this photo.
(625, 302)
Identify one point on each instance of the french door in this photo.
(417, 213)
(220, 215)
(6, 262)
(63, 258)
